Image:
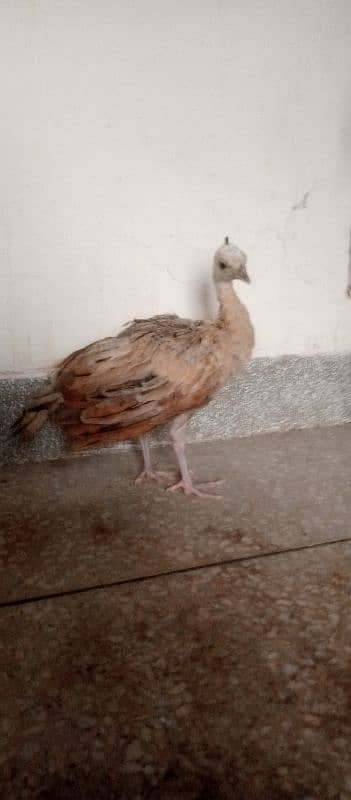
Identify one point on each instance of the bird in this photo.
(155, 371)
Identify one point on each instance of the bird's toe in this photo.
(160, 476)
(198, 490)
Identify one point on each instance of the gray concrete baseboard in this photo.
(272, 395)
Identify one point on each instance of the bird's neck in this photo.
(230, 305)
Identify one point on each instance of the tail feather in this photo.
(43, 400)
(36, 414)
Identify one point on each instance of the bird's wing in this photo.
(154, 370)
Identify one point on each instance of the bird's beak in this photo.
(243, 276)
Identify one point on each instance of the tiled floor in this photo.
(227, 677)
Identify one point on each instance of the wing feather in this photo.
(123, 386)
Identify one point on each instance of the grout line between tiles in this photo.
(230, 562)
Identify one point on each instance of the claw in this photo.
(189, 489)
(154, 475)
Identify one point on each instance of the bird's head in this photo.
(229, 264)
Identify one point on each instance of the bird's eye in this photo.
(222, 265)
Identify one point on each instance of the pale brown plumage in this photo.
(155, 370)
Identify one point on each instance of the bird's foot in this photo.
(154, 475)
(199, 491)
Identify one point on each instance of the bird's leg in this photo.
(149, 473)
(186, 483)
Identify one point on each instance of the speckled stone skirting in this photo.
(272, 395)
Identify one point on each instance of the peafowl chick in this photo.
(156, 370)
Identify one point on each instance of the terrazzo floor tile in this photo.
(82, 522)
(225, 683)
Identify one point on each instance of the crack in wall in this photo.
(303, 203)
(173, 278)
(348, 288)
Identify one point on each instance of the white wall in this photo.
(135, 135)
